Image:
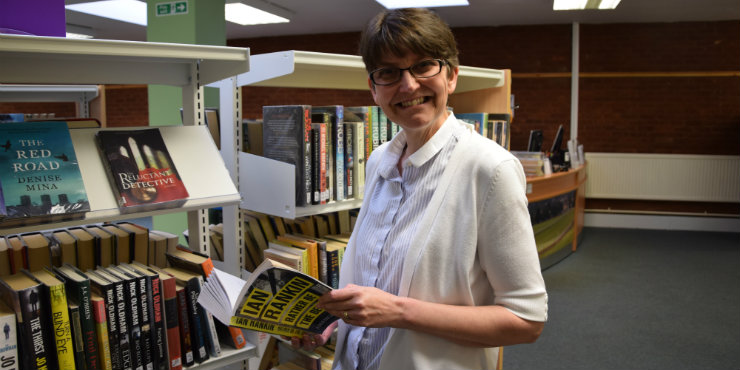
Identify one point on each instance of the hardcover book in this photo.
(133, 314)
(119, 343)
(156, 313)
(36, 251)
(140, 169)
(86, 243)
(67, 244)
(40, 173)
(196, 320)
(26, 297)
(275, 299)
(77, 285)
(168, 288)
(286, 137)
(60, 323)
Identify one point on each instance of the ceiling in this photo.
(331, 16)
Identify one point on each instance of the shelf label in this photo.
(172, 8)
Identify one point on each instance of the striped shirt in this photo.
(393, 212)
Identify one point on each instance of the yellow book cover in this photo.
(59, 318)
(275, 299)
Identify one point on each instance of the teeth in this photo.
(412, 102)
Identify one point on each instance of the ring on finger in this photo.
(346, 315)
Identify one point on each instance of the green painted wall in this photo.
(202, 24)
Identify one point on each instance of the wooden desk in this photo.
(556, 204)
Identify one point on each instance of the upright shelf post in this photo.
(230, 118)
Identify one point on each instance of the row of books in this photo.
(494, 126)
(42, 180)
(125, 316)
(312, 244)
(85, 247)
(327, 144)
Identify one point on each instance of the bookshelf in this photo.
(324, 70)
(56, 68)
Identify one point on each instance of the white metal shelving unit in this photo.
(52, 61)
(267, 185)
(81, 95)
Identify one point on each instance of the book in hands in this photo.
(275, 299)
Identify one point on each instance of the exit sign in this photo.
(172, 8)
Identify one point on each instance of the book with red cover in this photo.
(171, 317)
(141, 170)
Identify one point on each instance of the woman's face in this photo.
(419, 105)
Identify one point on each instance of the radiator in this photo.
(676, 177)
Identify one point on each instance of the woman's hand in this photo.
(363, 306)
(311, 341)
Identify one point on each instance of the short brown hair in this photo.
(399, 31)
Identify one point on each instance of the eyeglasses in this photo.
(389, 75)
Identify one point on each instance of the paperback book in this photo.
(40, 173)
(140, 169)
(274, 299)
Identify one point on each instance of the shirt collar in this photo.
(440, 138)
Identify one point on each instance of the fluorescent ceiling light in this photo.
(246, 15)
(584, 4)
(395, 4)
(130, 11)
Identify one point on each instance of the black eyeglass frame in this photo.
(441, 63)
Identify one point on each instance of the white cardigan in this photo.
(475, 247)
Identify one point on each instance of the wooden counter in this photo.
(556, 205)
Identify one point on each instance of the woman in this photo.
(442, 266)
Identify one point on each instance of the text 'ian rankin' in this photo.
(145, 180)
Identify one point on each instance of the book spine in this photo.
(109, 296)
(323, 164)
(78, 341)
(61, 327)
(160, 331)
(124, 328)
(172, 326)
(349, 160)
(145, 293)
(87, 322)
(323, 265)
(196, 321)
(101, 330)
(358, 183)
(315, 170)
(214, 346)
(186, 345)
(134, 321)
(332, 257)
(338, 141)
(33, 331)
(305, 196)
(9, 343)
(376, 127)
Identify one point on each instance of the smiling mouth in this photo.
(410, 103)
